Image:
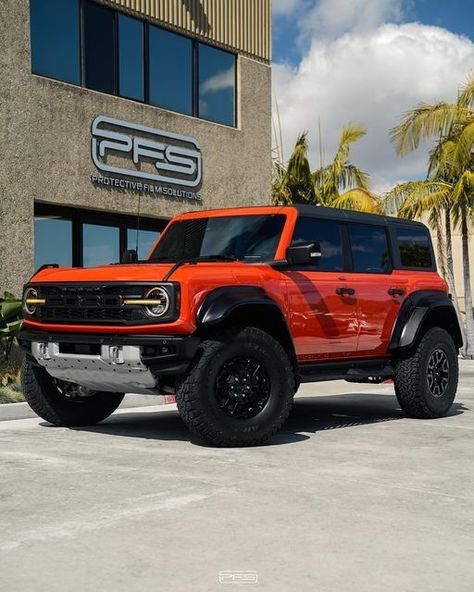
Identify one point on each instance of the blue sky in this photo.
(368, 61)
(455, 15)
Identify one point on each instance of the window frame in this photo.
(196, 42)
(79, 217)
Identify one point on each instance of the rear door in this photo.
(379, 291)
(323, 320)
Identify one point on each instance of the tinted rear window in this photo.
(415, 247)
(370, 252)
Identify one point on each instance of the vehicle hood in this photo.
(150, 273)
(106, 273)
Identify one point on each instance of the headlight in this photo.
(31, 301)
(156, 302)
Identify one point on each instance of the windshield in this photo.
(246, 238)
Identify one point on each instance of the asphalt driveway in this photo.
(352, 495)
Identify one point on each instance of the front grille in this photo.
(90, 304)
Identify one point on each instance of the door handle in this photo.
(343, 291)
(396, 292)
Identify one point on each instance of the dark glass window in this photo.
(370, 252)
(415, 247)
(131, 58)
(101, 244)
(53, 241)
(146, 240)
(216, 85)
(328, 234)
(99, 33)
(248, 238)
(55, 47)
(170, 71)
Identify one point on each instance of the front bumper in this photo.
(114, 363)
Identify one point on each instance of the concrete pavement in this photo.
(352, 495)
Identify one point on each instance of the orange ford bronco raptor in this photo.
(233, 309)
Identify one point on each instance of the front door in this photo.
(323, 319)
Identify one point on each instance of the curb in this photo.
(13, 411)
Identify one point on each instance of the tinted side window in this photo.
(170, 71)
(216, 85)
(414, 245)
(99, 31)
(370, 252)
(55, 39)
(131, 72)
(328, 234)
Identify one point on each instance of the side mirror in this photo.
(130, 256)
(304, 254)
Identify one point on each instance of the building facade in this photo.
(114, 108)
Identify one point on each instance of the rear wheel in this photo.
(239, 390)
(426, 382)
(63, 403)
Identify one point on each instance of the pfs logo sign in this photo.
(145, 152)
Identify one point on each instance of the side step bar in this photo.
(368, 371)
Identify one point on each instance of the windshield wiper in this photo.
(194, 260)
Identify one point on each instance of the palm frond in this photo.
(464, 147)
(415, 199)
(463, 196)
(359, 200)
(422, 123)
(466, 96)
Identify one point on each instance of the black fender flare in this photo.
(415, 311)
(222, 302)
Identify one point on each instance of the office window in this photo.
(370, 252)
(131, 58)
(415, 247)
(216, 85)
(53, 241)
(99, 34)
(84, 42)
(101, 244)
(328, 234)
(146, 240)
(55, 47)
(170, 71)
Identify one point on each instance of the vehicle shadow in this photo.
(309, 416)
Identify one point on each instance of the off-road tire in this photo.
(411, 377)
(196, 392)
(43, 396)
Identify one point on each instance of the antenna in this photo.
(138, 219)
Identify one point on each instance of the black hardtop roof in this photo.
(352, 216)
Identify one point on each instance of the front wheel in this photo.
(63, 403)
(426, 382)
(239, 390)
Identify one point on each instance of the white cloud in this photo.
(221, 81)
(331, 18)
(372, 78)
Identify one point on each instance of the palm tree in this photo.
(340, 184)
(449, 188)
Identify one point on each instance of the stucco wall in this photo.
(45, 140)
